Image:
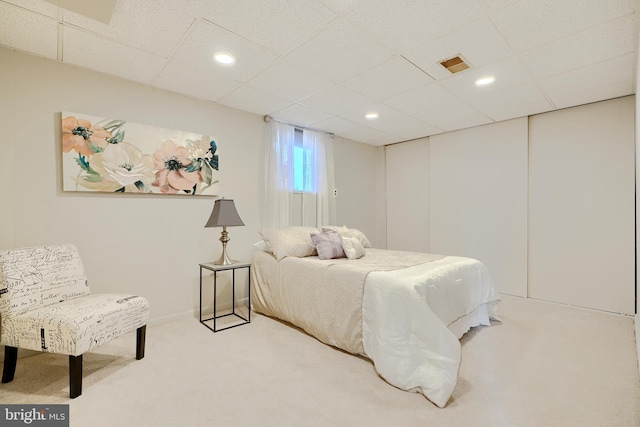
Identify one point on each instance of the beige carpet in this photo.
(544, 365)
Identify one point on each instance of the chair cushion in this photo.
(77, 325)
(37, 277)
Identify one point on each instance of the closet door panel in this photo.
(581, 198)
(478, 199)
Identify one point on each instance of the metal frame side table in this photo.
(216, 268)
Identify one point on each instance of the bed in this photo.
(405, 311)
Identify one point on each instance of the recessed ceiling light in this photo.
(484, 81)
(371, 115)
(224, 58)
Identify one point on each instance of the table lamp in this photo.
(224, 215)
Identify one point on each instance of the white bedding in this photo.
(413, 318)
(406, 315)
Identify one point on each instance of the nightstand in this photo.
(217, 269)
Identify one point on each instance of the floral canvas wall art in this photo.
(110, 155)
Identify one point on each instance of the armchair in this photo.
(46, 305)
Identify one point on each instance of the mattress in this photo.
(403, 310)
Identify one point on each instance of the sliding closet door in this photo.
(581, 206)
(478, 199)
(407, 207)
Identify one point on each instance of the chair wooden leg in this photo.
(141, 334)
(10, 360)
(75, 376)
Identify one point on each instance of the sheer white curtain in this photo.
(284, 206)
(320, 145)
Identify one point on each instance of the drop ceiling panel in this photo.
(32, 33)
(105, 56)
(39, 6)
(479, 43)
(248, 99)
(336, 125)
(357, 115)
(508, 72)
(365, 134)
(338, 100)
(326, 62)
(201, 83)
(511, 102)
(388, 79)
(405, 127)
(593, 83)
(280, 25)
(342, 6)
(340, 52)
(493, 5)
(98, 10)
(437, 107)
(133, 21)
(411, 23)
(300, 115)
(206, 39)
(594, 45)
(289, 81)
(531, 23)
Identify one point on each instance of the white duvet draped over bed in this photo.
(403, 310)
(413, 318)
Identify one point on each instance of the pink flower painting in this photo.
(115, 156)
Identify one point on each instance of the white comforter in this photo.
(406, 320)
(412, 319)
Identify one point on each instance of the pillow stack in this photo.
(330, 242)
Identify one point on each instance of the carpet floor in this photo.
(544, 365)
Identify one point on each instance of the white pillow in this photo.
(290, 241)
(349, 232)
(352, 247)
(262, 246)
(328, 244)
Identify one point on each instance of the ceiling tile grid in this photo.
(289, 22)
(531, 23)
(325, 63)
(28, 31)
(289, 81)
(604, 80)
(90, 51)
(388, 79)
(340, 52)
(133, 21)
(581, 49)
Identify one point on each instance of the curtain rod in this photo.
(268, 118)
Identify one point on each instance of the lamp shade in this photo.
(224, 214)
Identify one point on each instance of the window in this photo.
(303, 171)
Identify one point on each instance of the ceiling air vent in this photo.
(455, 64)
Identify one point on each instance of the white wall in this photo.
(355, 178)
(408, 196)
(141, 244)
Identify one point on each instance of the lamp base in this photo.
(224, 258)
